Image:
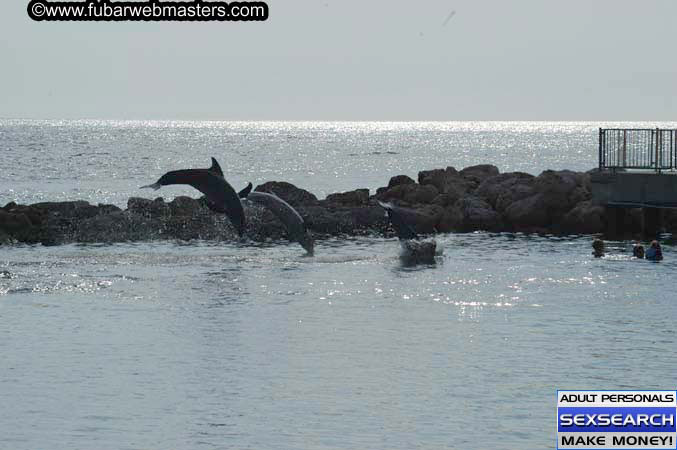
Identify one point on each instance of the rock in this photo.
(585, 181)
(119, 227)
(70, 210)
(107, 209)
(327, 221)
(584, 218)
(559, 191)
(444, 200)
(422, 194)
(450, 220)
(5, 239)
(357, 197)
(184, 206)
(437, 177)
(368, 218)
(492, 188)
(528, 213)
(399, 180)
(344, 220)
(148, 208)
(17, 225)
(410, 193)
(557, 181)
(289, 193)
(52, 223)
(63, 208)
(35, 215)
(447, 181)
(428, 218)
(477, 174)
(11, 223)
(477, 198)
(471, 213)
(535, 203)
(511, 195)
(579, 194)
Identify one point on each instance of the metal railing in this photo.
(653, 149)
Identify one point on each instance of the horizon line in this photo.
(336, 120)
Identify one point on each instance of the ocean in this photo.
(253, 346)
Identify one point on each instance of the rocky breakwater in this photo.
(481, 198)
(183, 218)
(442, 200)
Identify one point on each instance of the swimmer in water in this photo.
(654, 253)
(638, 251)
(598, 248)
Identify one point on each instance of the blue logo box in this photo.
(616, 420)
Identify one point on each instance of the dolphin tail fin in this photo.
(387, 206)
(216, 168)
(244, 193)
(154, 186)
(384, 205)
(403, 229)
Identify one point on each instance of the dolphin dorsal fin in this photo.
(215, 168)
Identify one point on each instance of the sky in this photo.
(352, 60)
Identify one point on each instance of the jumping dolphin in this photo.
(414, 250)
(402, 228)
(290, 218)
(215, 168)
(221, 197)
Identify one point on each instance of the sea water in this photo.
(174, 344)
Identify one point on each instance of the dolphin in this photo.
(245, 192)
(221, 197)
(215, 168)
(396, 215)
(290, 218)
(414, 249)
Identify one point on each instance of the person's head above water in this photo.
(598, 247)
(638, 251)
(654, 252)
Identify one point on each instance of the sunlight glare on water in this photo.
(106, 161)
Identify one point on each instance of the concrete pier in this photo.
(636, 189)
(620, 190)
(652, 223)
(616, 218)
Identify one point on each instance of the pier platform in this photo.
(637, 169)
